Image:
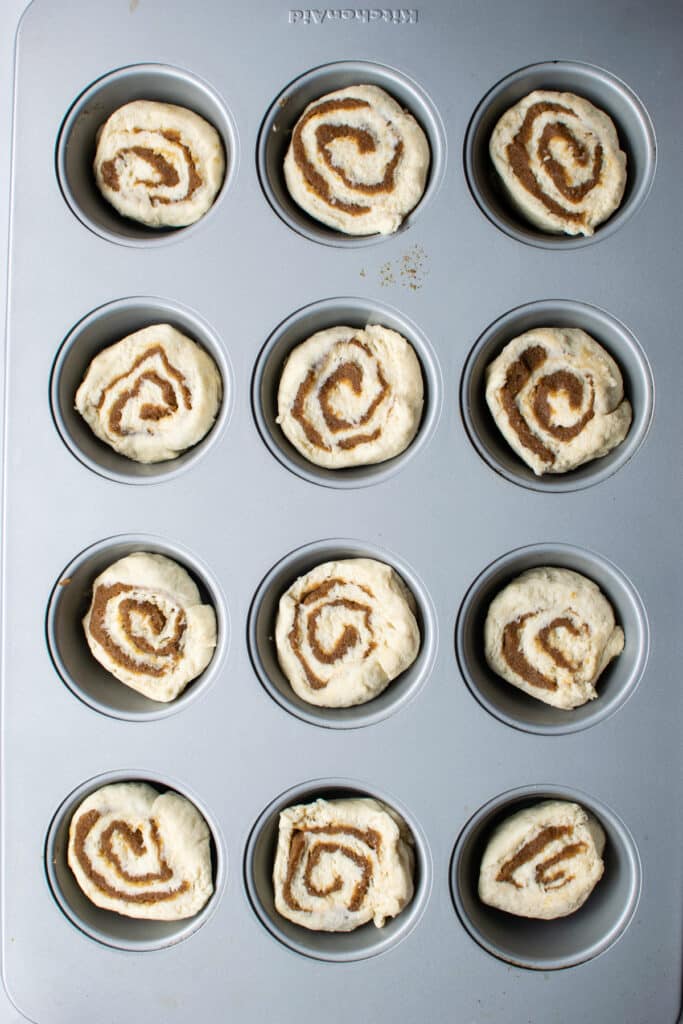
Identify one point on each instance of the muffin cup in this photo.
(77, 144)
(603, 90)
(338, 947)
(285, 111)
(263, 652)
(82, 673)
(107, 926)
(98, 330)
(510, 705)
(351, 312)
(615, 338)
(564, 942)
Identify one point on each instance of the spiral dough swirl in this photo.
(159, 164)
(559, 159)
(146, 625)
(344, 631)
(141, 853)
(558, 399)
(357, 162)
(543, 862)
(151, 395)
(342, 863)
(350, 397)
(551, 632)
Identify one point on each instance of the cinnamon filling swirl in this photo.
(166, 173)
(313, 853)
(325, 134)
(515, 658)
(559, 382)
(149, 410)
(134, 840)
(348, 374)
(530, 850)
(156, 620)
(348, 640)
(520, 161)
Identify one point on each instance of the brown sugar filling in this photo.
(519, 158)
(511, 648)
(347, 374)
(572, 386)
(542, 877)
(544, 641)
(172, 649)
(532, 849)
(518, 375)
(326, 134)
(298, 848)
(148, 411)
(349, 639)
(167, 175)
(134, 840)
(561, 381)
(512, 654)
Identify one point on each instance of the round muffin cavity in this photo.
(344, 631)
(152, 395)
(357, 161)
(558, 399)
(141, 853)
(551, 633)
(159, 164)
(543, 862)
(342, 863)
(147, 626)
(351, 397)
(559, 159)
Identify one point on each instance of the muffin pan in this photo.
(457, 515)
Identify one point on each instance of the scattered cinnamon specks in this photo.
(386, 274)
(414, 267)
(411, 269)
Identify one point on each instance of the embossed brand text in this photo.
(318, 16)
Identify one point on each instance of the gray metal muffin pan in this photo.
(447, 744)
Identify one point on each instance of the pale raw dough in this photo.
(351, 397)
(558, 630)
(365, 834)
(551, 428)
(107, 858)
(147, 626)
(159, 164)
(528, 142)
(357, 161)
(344, 631)
(539, 887)
(151, 395)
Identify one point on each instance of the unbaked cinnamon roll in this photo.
(147, 626)
(559, 159)
(159, 164)
(543, 862)
(557, 398)
(357, 161)
(344, 631)
(141, 853)
(551, 633)
(351, 397)
(342, 863)
(152, 395)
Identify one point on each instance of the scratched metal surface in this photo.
(238, 511)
